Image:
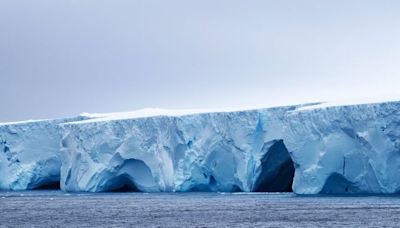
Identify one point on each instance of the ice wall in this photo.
(345, 149)
(352, 149)
(200, 152)
(29, 154)
(338, 149)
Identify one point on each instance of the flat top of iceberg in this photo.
(23, 122)
(153, 112)
(348, 102)
(83, 115)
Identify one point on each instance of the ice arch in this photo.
(338, 184)
(276, 170)
(132, 175)
(53, 185)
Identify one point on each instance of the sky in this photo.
(61, 58)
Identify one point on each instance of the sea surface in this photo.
(59, 209)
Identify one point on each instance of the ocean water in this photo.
(56, 208)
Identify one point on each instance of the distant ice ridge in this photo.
(314, 148)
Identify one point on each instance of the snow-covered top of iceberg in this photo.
(82, 116)
(146, 112)
(347, 102)
(154, 112)
(23, 122)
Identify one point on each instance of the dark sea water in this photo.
(56, 208)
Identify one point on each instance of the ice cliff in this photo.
(316, 148)
(345, 149)
(224, 151)
(30, 154)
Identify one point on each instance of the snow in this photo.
(154, 112)
(143, 113)
(348, 102)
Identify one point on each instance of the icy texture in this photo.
(339, 149)
(200, 152)
(326, 148)
(29, 154)
(345, 149)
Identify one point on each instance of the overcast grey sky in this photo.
(60, 58)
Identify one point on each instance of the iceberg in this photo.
(345, 149)
(308, 149)
(222, 151)
(30, 154)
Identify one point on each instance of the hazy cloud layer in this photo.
(60, 58)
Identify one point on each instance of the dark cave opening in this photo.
(277, 169)
(123, 183)
(337, 184)
(132, 175)
(126, 188)
(55, 185)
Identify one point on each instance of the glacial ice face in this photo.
(340, 149)
(351, 149)
(345, 149)
(29, 154)
(202, 152)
